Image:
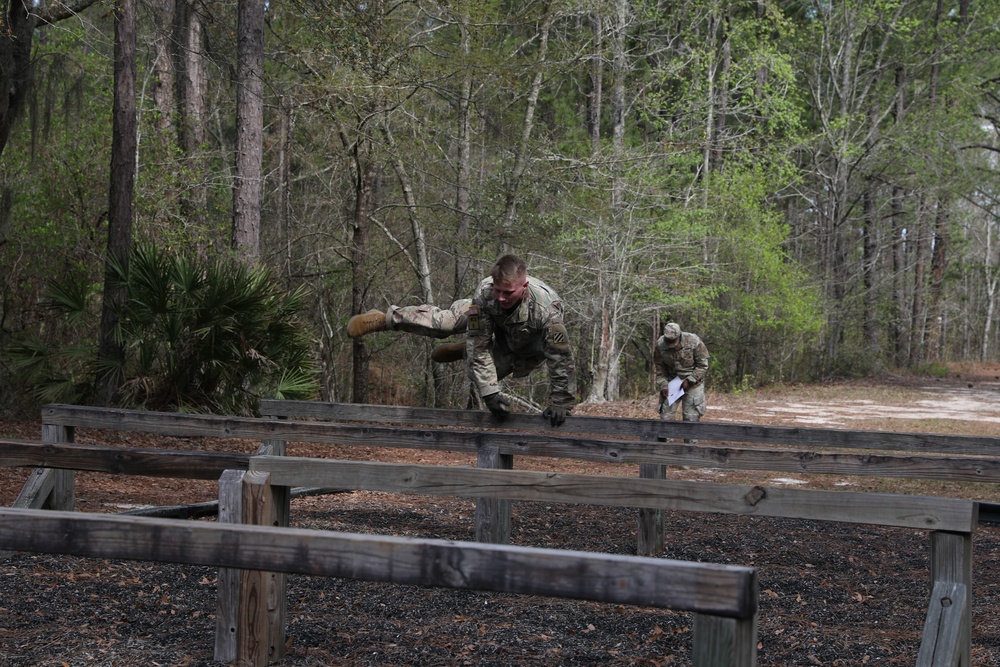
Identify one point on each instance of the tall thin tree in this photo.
(248, 188)
(111, 351)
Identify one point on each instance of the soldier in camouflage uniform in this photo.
(681, 355)
(513, 323)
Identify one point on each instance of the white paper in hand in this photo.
(674, 391)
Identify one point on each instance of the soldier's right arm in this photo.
(659, 369)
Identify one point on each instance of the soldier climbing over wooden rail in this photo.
(513, 323)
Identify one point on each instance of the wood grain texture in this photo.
(636, 428)
(120, 460)
(922, 512)
(720, 590)
(983, 468)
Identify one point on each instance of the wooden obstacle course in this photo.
(950, 521)
(637, 441)
(726, 594)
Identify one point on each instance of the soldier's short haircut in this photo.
(509, 269)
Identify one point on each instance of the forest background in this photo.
(812, 187)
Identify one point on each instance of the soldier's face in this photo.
(509, 295)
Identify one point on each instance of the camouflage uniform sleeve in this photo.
(559, 360)
(479, 359)
(700, 363)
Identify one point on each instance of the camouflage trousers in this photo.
(692, 406)
(427, 320)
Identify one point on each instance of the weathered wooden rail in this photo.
(927, 456)
(817, 450)
(951, 522)
(652, 444)
(896, 510)
(723, 598)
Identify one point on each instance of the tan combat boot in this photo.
(366, 323)
(449, 352)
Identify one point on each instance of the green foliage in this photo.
(200, 335)
(57, 373)
(764, 310)
(753, 137)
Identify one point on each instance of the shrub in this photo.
(200, 335)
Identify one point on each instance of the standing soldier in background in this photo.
(512, 324)
(683, 356)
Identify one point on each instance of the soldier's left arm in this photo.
(700, 363)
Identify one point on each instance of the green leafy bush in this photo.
(200, 335)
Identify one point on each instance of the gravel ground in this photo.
(831, 594)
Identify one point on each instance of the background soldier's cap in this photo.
(671, 332)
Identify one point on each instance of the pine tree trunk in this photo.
(111, 352)
(247, 190)
(190, 91)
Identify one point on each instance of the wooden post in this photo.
(282, 497)
(227, 612)
(649, 540)
(50, 488)
(718, 641)
(493, 514)
(245, 629)
(944, 628)
(951, 563)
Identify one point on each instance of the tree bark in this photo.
(899, 240)
(608, 254)
(190, 92)
(164, 79)
(990, 279)
(248, 188)
(921, 250)
(869, 271)
(419, 259)
(521, 159)
(721, 102)
(939, 258)
(463, 189)
(364, 191)
(111, 351)
(596, 83)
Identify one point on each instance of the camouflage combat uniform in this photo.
(428, 320)
(688, 361)
(533, 333)
(499, 343)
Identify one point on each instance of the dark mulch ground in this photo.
(831, 594)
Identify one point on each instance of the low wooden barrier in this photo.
(951, 522)
(722, 597)
(861, 453)
(956, 458)
(652, 444)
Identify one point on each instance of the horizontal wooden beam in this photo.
(984, 468)
(721, 590)
(642, 428)
(120, 460)
(921, 512)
